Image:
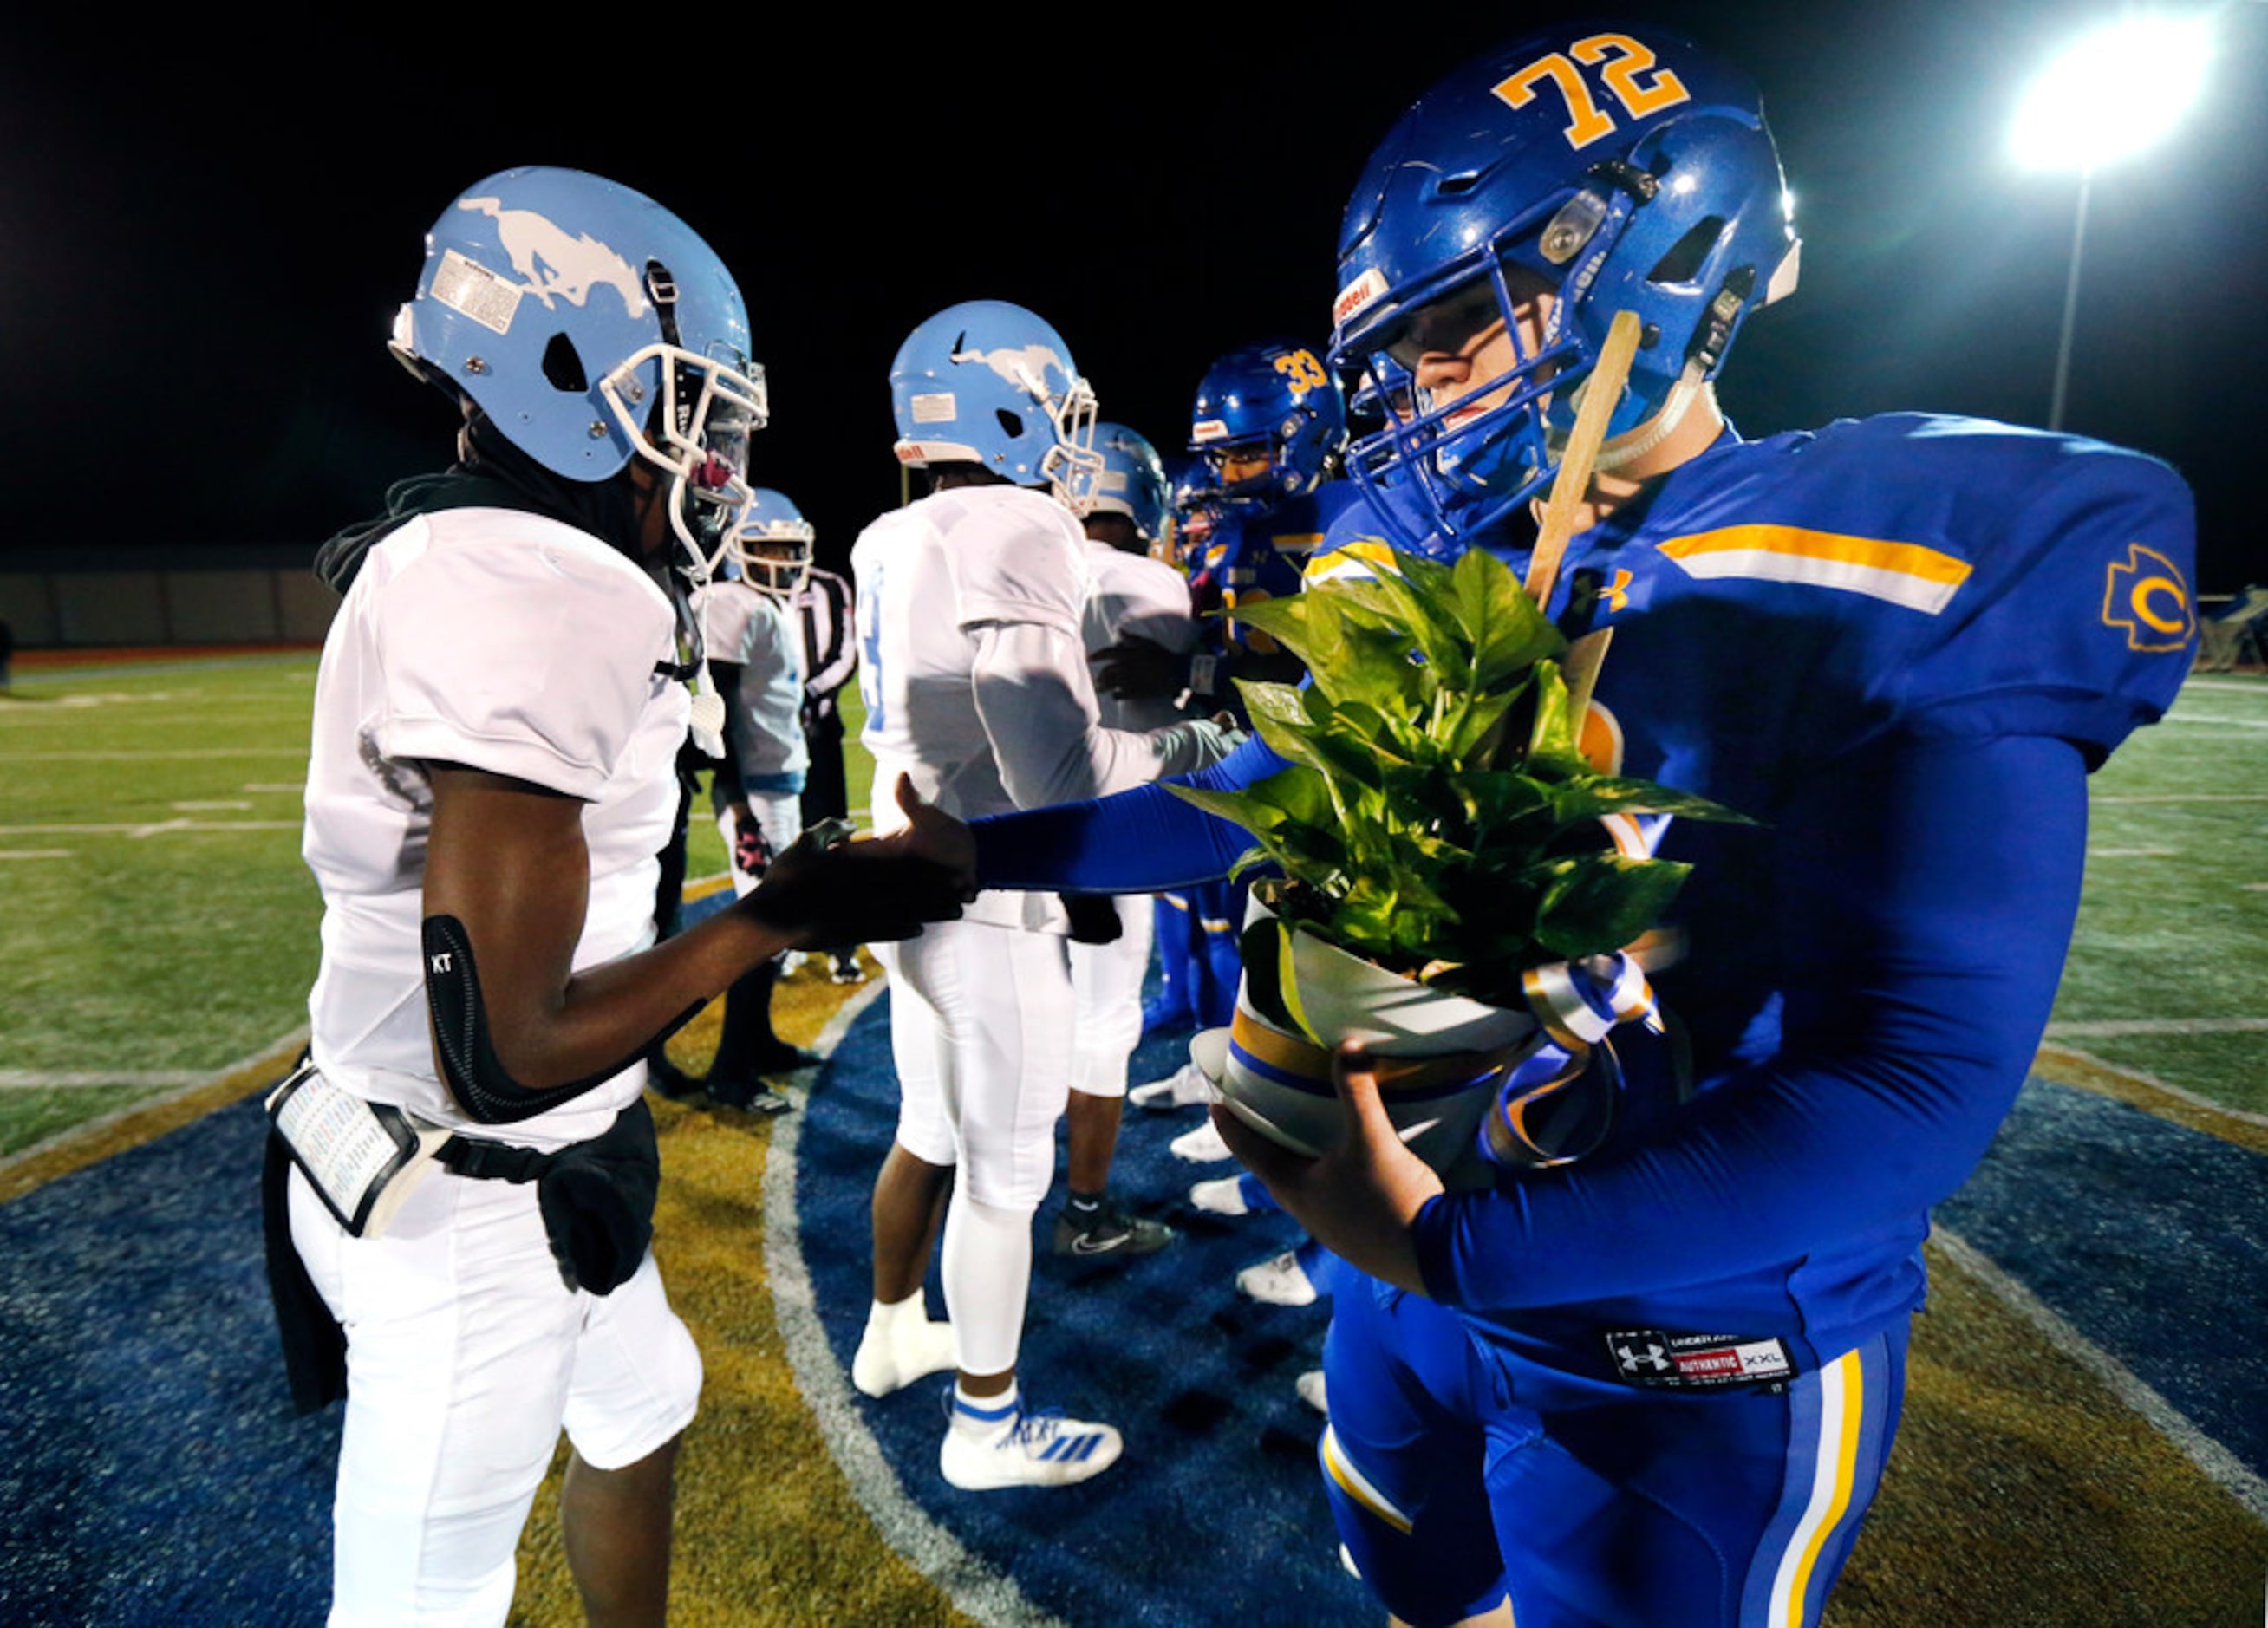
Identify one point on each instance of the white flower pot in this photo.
(1440, 1057)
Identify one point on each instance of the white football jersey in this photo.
(1134, 595)
(507, 642)
(754, 632)
(930, 577)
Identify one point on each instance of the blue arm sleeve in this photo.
(1137, 842)
(1923, 898)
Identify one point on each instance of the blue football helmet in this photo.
(592, 325)
(1613, 171)
(1269, 419)
(1131, 482)
(1196, 505)
(989, 383)
(772, 544)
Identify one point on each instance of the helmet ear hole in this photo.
(562, 366)
(1011, 425)
(1686, 256)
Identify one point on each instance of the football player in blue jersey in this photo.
(1268, 424)
(1659, 1384)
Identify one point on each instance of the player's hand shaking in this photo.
(828, 891)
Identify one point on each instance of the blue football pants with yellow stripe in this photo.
(1460, 1474)
(1199, 961)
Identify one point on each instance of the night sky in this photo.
(202, 257)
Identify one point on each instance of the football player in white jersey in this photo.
(971, 604)
(497, 717)
(755, 654)
(1124, 508)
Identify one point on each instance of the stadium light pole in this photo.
(2108, 96)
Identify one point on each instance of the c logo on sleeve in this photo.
(2146, 598)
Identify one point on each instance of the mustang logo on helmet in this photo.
(554, 262)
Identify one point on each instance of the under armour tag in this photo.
(1657, 1360)
(363, 1159)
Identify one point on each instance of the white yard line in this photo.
(2214, 721)
(37, 854)
(142, 754)
(275, 1054)
(973, 1587)
(2214, 1461)
(2156, 1025)
(2184, 797)
(150, 828)
(77, 1080)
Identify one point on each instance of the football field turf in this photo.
(2101, 1300)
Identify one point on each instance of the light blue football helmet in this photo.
(1275, 403)
(592, 325)
(772, 543)
(1617, 170)
(986, 382)
(1131, 482)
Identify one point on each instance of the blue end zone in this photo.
(154, 1472)
(2149, 1239)
(1214, 1514)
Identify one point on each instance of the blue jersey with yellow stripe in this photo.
(1260, 553)
(1894, 643)
(1897, 645)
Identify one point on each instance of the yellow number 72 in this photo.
(1620, 60)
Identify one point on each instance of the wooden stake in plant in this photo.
(1601, 392)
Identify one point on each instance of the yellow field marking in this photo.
(98, 1139)
(2068, 1066)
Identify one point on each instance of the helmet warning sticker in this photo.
(937, 408)
(473, 290)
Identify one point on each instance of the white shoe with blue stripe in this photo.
(987, 1447)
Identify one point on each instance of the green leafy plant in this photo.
(1438, 818)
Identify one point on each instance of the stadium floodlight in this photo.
(2112, 94)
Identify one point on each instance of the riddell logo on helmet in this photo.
(1357, 294)
(1209, 430)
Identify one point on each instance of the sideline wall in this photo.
(250, 604)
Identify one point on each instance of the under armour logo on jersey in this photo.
(553, 262)
(2146, 598)
(1652, 1360)
(1026, 368)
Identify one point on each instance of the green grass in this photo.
(2173, 926)
(130, 940)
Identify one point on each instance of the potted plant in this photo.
(1457, 877)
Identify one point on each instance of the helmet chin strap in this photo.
(1632, 445)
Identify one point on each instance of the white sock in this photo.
(983, 1415)
(890, 1316)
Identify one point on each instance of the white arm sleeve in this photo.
(1037, 705)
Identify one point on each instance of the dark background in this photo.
(205, 228)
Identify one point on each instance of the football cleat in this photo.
(1201, 1147)
(752, 1096)
(1111, 1234)
(1279, 1280)
(985, 1450)
(1184, 1086)
(1225, 1196)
